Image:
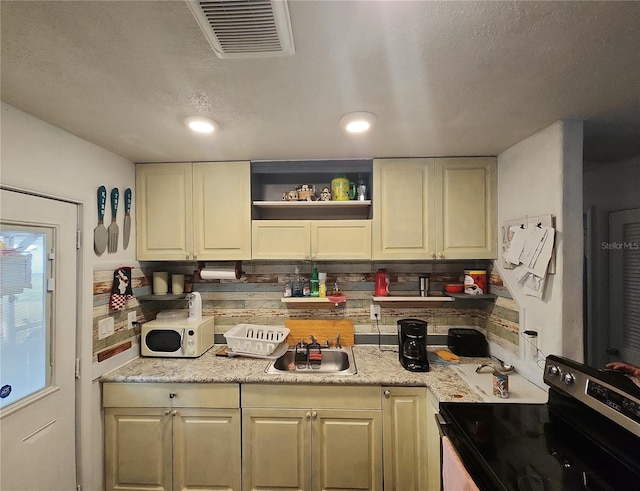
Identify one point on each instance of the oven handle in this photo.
(183, 348)
(443, 426)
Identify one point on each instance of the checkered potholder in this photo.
(121, 290)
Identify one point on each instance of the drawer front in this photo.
(170, 395)
(311, 396)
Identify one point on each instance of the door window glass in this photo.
(25, 311)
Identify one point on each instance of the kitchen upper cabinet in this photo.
(466, 208)
(311, 239)
(405, 439)
(222, 211)
(311, 438)
(172, 436)
(164, 216)
(434, 208)
(199, 211)
(404, 191)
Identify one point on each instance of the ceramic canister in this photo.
(340, 188)
(475, 281)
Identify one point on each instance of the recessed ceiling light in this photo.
(201, 125)
(357, 122)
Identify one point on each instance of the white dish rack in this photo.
(257, 340)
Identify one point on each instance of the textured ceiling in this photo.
(444, 78)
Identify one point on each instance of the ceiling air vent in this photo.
(245, 28)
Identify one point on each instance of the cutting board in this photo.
(321, 330)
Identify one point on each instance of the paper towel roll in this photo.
(218, 274)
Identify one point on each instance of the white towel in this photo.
(454, 475)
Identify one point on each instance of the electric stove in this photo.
(586, 437)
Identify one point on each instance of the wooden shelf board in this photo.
(310, 204)
(168, 296)
(309, 300)
(466, 296)
(392, 298)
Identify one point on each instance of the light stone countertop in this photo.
(375, 367)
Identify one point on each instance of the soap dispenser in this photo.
(195, 306)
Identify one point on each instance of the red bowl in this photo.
(454, 287)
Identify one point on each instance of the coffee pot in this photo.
(412, 345)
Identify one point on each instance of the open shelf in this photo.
(466, 296)
(167, 296)
(411, 298)
(312, 204)
(301, 301)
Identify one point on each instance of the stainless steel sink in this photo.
(334, 362)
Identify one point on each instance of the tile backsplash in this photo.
(256, 298)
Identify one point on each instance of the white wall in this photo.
(41, 158)
(543, 175)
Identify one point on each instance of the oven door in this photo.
(162, 341)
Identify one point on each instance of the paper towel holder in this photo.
(223, 270)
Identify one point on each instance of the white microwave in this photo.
(182, 338)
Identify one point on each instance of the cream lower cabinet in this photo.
(311, 438)
(311, 239)
(405, 439)
(172, 436)
(199, 211)
(435, 208)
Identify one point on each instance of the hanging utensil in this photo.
(100, 233)
(113, 228)
(127, 218)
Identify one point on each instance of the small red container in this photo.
(382, 283)
(453, 287)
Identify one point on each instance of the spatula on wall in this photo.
(100, 233)
(113, 228)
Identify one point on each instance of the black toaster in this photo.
(467, 342)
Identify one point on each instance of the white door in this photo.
(38, 279)
(624, 285)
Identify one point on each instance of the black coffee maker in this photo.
(412, 345)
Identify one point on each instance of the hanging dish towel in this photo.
(121, 290)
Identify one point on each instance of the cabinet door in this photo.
(340, 239)
(206, 449)
(276, 449)
(137, 449)
(281, 239)
(222, 210)
(466, 208)
(403, 209)
(405, 439)
(163, 211)
(347, 450)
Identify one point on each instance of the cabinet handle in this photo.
(307, 416)
(441, 255)
(166, 413)
(433, 254)
(174, 412)
(314, 415)
(188, 256)
(172, 395)
(387, 393)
